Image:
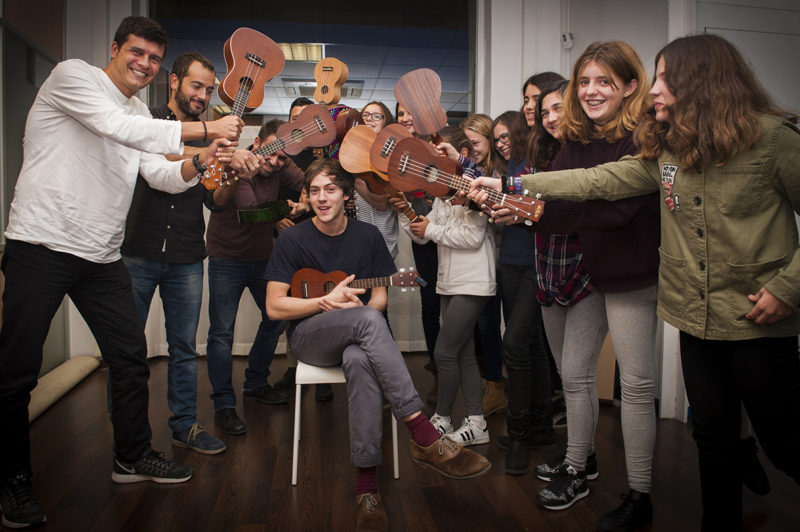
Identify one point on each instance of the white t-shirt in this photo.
(84, 144)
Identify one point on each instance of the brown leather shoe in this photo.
(370, 515)
(450, 459)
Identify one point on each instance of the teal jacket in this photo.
(726, 232)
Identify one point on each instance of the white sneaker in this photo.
(442, 423)
(474, 431)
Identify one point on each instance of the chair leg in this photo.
(394, 449)
(296, 438)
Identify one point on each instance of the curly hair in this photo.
(620, 59)
(717, 105)
(542, 146)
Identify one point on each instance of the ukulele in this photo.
(415, 164)
(330, 74)
(308, 282)
(419, 92)
(313, 128)
(356, 157)
(252, 59)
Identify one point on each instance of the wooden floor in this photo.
(248, 487)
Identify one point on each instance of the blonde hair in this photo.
(482, 125)
(613, 57)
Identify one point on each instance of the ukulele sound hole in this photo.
(328, 286)
(431, 174)
(324, 89)
(245, 84)
(298, 135)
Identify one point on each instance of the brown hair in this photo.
(508, 119)
(621, 59)
(482, 125)
(718, 101)
(455, 136)
(388, 117)
(542, 146)
(339, 176)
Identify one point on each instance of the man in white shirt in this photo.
(66, 225)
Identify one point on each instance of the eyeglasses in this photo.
(377, 117)
(502, 139)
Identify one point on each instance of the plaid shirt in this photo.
(560, 272)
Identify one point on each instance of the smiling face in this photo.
(661, 94)
(405, 119)
(601, 94)
(192, 93)
(529, 104)
(327, 199)
(480, 145)
(134, 64)
(373, 117)
(273, 162)
(552, 111)
(502, 142)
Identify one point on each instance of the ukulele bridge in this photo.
(304, 289)
(404, 160)
(253, 58)
(388, 147)
(320, 124)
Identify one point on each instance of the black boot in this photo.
(635, 512)
(517, 460)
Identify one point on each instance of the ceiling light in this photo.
(302, 51)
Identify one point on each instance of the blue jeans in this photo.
(181, 290)
(227, 280)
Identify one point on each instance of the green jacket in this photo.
(725, 232)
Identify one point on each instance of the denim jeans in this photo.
(227, 280)
(181, 290)
(37, 279)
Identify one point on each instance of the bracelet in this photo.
(200, 167)
(205, 132)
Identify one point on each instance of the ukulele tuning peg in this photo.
(525, 192)
(402, 270)
(411, 268)
(528, 223)
(538, 196)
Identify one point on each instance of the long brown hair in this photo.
(718, 101)
(542, 146)
(621, 59)
(508, 119)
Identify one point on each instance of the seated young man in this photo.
(346, 327)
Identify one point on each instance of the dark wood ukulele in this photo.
(355, 156)
(415, 164)
(313, 128)
(309, 283)
(420, 92)
(252, 59)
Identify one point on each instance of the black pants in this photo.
(764, 375)
(426, 259)
(526, 356)
(37, 279)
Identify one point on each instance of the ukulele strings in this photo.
(458, 182)
(244, 93)
(278, 144)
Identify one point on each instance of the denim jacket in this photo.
(725, 231)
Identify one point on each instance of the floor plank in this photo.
(248, 487)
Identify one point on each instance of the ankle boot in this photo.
(494, 397)
(517, 460)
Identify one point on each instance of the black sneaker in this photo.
(287, 381)
(568, 485)
(152, 466)
(549, 470)
(18, 503)
(323, 392)
(267, 394)
(229, 421)
(635, 512)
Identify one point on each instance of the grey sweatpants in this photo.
(576, 335)
(359, 340)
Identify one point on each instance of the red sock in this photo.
(422, 431)
(367, 480)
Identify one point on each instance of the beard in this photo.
(184, 104)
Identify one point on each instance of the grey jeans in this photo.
(576, 335)
(359, 340)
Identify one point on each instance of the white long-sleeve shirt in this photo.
(84, 144)
(465, 246)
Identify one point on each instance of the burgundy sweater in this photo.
(620, 238)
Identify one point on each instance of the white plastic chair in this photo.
(308, 374)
